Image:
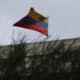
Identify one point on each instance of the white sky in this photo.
(64, 19)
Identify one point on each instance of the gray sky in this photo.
(64, 19)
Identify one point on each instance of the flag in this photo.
(34, 21)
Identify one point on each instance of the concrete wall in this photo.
(40, 47)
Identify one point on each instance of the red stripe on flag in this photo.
(39, 28)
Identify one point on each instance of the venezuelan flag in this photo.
(34, 21)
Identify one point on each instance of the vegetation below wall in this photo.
(56, 62)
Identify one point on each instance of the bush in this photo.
(44, 61)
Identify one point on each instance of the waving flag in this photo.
(34, 21)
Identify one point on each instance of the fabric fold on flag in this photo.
(34, 21)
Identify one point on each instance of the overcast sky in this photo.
(64, 19)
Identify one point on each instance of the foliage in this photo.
(42, 61)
